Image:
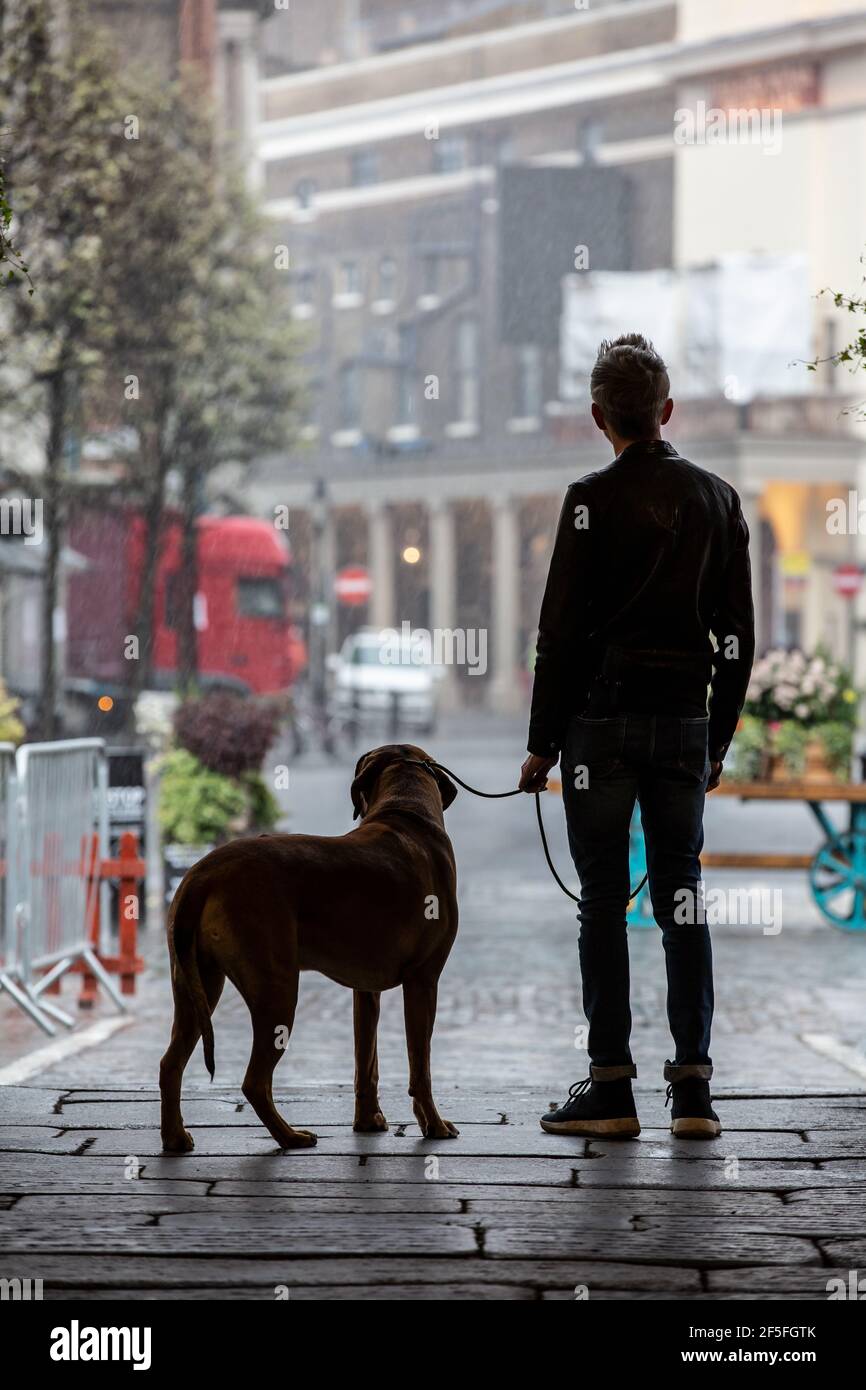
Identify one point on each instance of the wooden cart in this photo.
(837, 870)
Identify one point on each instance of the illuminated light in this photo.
(105, 703)
(411, 555)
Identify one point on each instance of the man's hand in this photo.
(533, 774)
(715, 775)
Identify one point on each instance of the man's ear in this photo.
(360, 790)
(598, 418)
(447, 789)
(667, 412)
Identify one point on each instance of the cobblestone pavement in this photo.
(505, 1211)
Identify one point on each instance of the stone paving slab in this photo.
(773, 1210)
(88, 1203)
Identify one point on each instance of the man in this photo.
(651, 556)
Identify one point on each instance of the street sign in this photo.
(847, 580)
(353, 586)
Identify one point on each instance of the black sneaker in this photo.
(596, 1108)
(692, 1115)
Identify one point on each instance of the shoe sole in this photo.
(695, 1129)
(607, 1129)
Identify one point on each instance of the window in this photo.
(388, 279)
(260, 598)
(305, 192)
(431, 275)
(529, 384)
(467, 384)
(407, 386)
(304, 287)
(349, 278)
(450, 154)
(350, 396)
(503, 148)
(310, 407)
(364, 166)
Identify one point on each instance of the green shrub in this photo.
(750, 743)
(789, 741)
(265, 810)
(197, 806)
(11, 727)
(838, 742)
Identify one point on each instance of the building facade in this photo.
(444, 177)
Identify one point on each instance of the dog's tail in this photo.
(182, 927)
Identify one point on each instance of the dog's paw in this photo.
(440, 1129)
(180, 1143)
(298, 1139)
(374, 1123)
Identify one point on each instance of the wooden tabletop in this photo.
(792, 791)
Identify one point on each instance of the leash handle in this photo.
(497, 796)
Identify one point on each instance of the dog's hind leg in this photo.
(185, 1033)
(368, 1116)
(419, 1011)
(273, 1012)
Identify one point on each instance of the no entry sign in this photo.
(847, 580)
(353, 586)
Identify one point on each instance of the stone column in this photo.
(380, 561)
(443, 589)
(237, 83)
(505, 692)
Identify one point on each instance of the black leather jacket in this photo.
(651, 556)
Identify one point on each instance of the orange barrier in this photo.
(129, 871)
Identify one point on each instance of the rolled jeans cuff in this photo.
(613, 1073)
(674, 1072)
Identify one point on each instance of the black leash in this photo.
(497, 796)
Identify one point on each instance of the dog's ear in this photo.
(447, 789)
(366, 770)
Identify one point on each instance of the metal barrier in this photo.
(54, 796)
(14, 962)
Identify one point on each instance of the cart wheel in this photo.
(640, 910)
(837, 878)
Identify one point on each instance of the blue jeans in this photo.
(660, 760)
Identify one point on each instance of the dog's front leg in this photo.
(419, 1012)
(368, 1116)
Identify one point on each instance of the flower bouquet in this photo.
(798, 720)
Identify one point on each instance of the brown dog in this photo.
(372, 909)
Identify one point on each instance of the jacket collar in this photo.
(656, 448)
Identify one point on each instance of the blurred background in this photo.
(459, 200)
(299, 306)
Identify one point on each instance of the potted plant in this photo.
(211, 787)
(804, 710)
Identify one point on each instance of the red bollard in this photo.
(130, 871)
(90, 858)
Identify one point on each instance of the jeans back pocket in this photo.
(595, 744)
